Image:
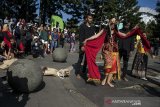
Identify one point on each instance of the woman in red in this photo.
(6, 38)
(94, 44)
(109, 52)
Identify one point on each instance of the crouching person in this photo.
(3, 51)
(17, 48)
(37, 48)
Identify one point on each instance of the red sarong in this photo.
(92, 47)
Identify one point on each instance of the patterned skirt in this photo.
(112, 63)
(139, 66)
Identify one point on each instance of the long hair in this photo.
(108, 29)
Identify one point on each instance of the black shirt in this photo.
(126, 44)
(85, 32)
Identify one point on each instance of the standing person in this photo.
(126, 46)
(44, 38)
(62, 39)
(72, 42)
(6, 21)
(111, 55)
(54, 42)
(111, 61)
(139, 66)
(156, 46)
(28, 39)
(86, 30)
(11, 24)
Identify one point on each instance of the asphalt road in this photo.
(71, 92)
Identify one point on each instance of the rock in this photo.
(24, 75)
(59, 55)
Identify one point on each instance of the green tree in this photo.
(75, 8)
(19, 9)
(157, 32)
(121, 9)
(49, 8)
(150, 28)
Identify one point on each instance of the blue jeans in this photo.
(54, 44)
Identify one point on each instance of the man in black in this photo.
(126, 46)
(156, 47)
(86, 30)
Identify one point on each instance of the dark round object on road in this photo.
(24, 75)
(59, 55)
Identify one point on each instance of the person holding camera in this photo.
(37, 47)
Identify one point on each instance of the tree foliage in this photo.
(157, 31)
(19, 9)
(121, 9)
(49, 8)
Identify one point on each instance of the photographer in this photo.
(14, 48)
(37, 47)
(3, 51)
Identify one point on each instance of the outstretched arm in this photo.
(94, 36)
(125, 35)
(122, 34)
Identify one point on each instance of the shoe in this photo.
(125, 79)
(144, 78)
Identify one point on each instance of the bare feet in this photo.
(111, 85)
(103, 82)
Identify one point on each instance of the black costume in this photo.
(125, 47)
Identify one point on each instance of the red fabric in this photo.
(7, 36)
(21, 46)
(92, 47)
(135, 32)
(113, 68)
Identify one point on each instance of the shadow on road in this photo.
(10, 98)
(154, 69)
(151, 90)
(157, 62)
